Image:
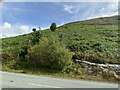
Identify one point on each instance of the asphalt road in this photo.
(14, 80)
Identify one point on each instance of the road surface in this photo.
(15, 80)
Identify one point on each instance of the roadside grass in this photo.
(58, 74)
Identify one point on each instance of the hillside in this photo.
(94, 40)
(73, 50)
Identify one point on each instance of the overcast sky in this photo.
(20, 17)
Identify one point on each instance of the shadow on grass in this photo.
(36, 70)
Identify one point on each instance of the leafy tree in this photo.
(53, 27)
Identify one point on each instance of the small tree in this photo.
(34, 29)
(53, 27)
(36, 35)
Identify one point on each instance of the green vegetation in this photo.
(45, 52)
(36, 36)
(49, 53)
(53, 27)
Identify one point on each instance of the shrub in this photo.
(23, 52)
(49, 53)
(73, 69)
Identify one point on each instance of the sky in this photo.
(20, 17)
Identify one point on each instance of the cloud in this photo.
(6, 26)
(104, 9)
(85, 10)
(68, 8)
(9, 29)
(24, 28)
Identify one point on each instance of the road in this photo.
(15, 80)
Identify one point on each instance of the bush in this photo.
(49, 53)
(9, 59)
(73, 69)
(23, 52)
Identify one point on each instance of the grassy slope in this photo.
(79, 36)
